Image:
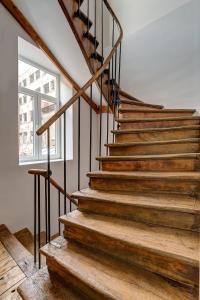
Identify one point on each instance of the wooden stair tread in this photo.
(135, 102)
(148, 157)
(181, 203)
(44, 285)
(135, 120)
(179, 141)
(184, 176)
(190, 127)
(174, 243)
(164, 110)
(110, 279)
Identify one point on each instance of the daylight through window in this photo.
(38, 100)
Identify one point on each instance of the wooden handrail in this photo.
(66, 106)
(44, 173)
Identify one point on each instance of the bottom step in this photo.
(99, 276)
(44, 285)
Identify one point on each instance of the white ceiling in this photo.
(135, 14)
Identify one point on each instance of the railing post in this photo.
(90, 162)
(79, 141)
(65, 164)
(39, 224)
(46, 210)
(49, 187)
(35, 218)
(59, 209)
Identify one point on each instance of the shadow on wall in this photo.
(161, 62)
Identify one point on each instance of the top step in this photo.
(126, 103)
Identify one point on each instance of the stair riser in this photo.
(154, 149)
(180, 220)
(158, 124)
(155, 262)
(153, 114)
(73, 281)
(156, 136)
(151, 165)
(143, 185)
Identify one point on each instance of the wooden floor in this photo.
(16, 264)
(11, 276)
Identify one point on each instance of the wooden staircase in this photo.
(135, 234)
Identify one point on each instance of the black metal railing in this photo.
(108, 78)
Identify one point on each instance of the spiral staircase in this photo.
(135, 232)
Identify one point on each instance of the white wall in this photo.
(16, 186)
(161, 62)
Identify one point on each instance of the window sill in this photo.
(39, 162)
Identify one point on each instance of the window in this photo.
(31, 77)
(25, 117)
(46, 88)
(38, 90)
(24, 83)
(37, 74)
(52, 85)
(38, 106)
(31, 116)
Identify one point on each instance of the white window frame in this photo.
(37, 98)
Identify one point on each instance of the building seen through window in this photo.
(38, 100)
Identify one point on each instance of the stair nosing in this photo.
(144, 175)
(149, 157)
(164, 110)
(88, 197)
(135, 120)
(146, 143)
(68, 219)
(162, 129)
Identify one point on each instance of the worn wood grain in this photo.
(139, 243)
(102, 277)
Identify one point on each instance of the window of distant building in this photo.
(38, 100)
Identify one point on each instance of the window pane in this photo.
(37, 80)
(25, 125)
(47, 110)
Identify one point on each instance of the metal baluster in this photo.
(79, 142)
(115, 87)
(39, 224)
(49, 196)
(119, 77)
(100, 120)
(35, 218)
(65, 166)
(46, 209)
(108, 107)
(95, 25)
(88, 16)
(113, 39)
(59, 213)
(90, 163)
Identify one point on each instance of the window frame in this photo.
(37, 116)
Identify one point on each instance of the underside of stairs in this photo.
(135, 234)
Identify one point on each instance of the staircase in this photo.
(135, 232)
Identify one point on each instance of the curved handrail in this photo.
(44, 173)
(61, 111)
